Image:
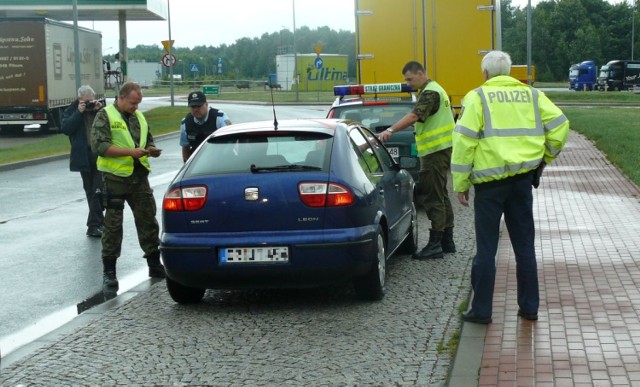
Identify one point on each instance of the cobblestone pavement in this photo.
(276, 337)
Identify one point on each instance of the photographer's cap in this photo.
(197, 98)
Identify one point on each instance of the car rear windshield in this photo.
(376, 117)
(271, 151)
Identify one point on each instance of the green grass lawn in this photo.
(616, 131)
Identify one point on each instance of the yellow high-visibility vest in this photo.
(121, 137)
(505, 128)
(435, 133)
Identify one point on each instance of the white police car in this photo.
(377, 107)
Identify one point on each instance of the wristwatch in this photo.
(390, 130)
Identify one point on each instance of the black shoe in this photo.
(470, 316)
(109, 281)
(157, 271)
(429, 252)
(94, 231)
(528, 316)
(448, 245)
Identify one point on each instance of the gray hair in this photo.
(85, 90)
(496, 63)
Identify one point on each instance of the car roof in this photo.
(318, 125)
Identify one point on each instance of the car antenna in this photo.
(273, 106)
(375, 80)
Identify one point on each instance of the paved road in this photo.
(277, 337)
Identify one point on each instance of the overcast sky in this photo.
(214, 22)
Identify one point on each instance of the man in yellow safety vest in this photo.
(433, 120)
(505, 135)
(122, 139)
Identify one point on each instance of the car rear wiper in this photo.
(288, 167)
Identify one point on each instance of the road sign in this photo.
(168, 61)
(318, 62)
(194, 68)
(211, 89)
(167, 44)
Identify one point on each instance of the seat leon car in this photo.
(300, 203)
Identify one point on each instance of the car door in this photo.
(385, 179)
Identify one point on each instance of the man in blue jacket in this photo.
(76, 123)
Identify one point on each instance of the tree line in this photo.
(563, 32)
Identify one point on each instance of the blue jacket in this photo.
(73, 126)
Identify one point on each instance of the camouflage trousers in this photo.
(137, 193)
(434, 171)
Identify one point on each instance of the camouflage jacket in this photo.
(428, 103)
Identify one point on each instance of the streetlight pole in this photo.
(295, 53)
(633, 28)
(529, 42)
(170, 55)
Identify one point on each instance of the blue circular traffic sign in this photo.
(318, 63)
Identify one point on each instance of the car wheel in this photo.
(370, 287)
(184, 294)
(410, 243)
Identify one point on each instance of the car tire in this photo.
(184, 294)
(410, 243)
(371, 286)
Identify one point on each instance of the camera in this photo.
(89, 105)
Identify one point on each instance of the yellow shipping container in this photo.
(521, 73)
(449, 37)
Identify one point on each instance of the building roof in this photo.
(96, 10)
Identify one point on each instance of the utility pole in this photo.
(529, 80)
(295, 54)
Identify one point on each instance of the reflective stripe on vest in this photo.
(435, 133)
(121, 137)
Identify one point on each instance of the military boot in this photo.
(156, 270)
(448, 246)
(433, 249)
(109, 280)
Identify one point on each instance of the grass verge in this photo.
(615, 131)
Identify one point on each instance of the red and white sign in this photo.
(168, 60)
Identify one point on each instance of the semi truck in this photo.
(37, 71)
(583, 75)
(619, 75)
(449, 37)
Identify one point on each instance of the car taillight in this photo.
(185, 199)
(324, 194)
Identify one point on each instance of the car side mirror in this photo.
(408, 162)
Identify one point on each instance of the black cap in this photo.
(197, 98)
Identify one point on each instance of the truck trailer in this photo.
(619, 75)
(449, 37)
(37, 70)
(582, 76)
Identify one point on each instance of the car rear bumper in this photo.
(315, 258)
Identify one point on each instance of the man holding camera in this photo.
(76, 123)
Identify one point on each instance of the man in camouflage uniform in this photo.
(434, 123)
(121, 137)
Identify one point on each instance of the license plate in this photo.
(254, 254)
(394, 152)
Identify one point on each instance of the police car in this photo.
(377, 107)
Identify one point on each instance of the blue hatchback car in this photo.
(300, 203)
